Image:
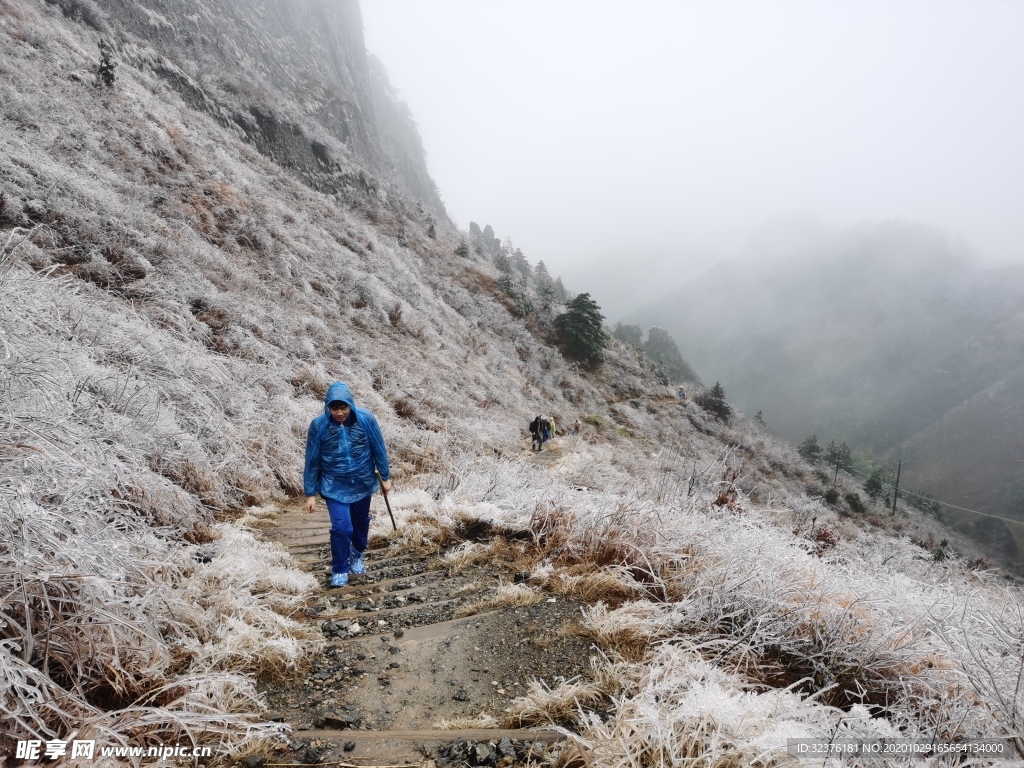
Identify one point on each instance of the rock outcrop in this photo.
(294, 78)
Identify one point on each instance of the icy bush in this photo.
(173, 305)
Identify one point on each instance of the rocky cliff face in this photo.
(293, 78)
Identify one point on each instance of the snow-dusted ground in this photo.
(172, 307)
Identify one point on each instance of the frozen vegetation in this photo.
(173, 305)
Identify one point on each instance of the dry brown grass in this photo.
(483, 720)
(465, 555)
(568, 701)
(558, 705)
(466, 589)
(610, 541)
(505, 596)
(612, 586)
(628, 631)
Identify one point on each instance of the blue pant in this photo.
(350, 524)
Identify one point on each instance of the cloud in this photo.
(669, 132)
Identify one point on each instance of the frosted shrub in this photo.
(172, 307)
(681, 710)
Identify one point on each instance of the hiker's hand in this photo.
(310, 504)
(385, 485)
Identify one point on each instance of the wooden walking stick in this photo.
(385, 493)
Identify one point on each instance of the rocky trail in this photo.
(551, 453)
(419, 654)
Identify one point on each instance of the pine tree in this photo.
(580, 331)
(546, 294)
(432, 231)
(713, 401)
(839, 456)
(759, 420)
(810, 449)
(631, 334)
(462, 249)
(560, 291)
(501, 261)
(522, 304)
(831, 453)
(521, 264)
(545, 288)
(105, 75)
(875, 484)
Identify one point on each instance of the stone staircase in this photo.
(403, 657)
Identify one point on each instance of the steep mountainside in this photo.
(293, 79)
(178, 286)
(874, 336)
(191, 254)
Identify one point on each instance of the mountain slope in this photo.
(974, 437)
(177, 290)
(870, 336)
(293, 79)
(174, 303)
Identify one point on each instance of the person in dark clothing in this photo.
(344, 454)
(545, 429)
(535, 432)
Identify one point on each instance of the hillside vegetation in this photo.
(176, 293)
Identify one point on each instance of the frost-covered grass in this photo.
(173, 306)
(728, 630)
(504, 596)
(736, 634)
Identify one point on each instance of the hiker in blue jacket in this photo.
(344, 447)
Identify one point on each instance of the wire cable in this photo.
(943, 503)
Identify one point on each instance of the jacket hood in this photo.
(338, 391)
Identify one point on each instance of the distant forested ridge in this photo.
(888, 336)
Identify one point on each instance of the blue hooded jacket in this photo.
(340, 458)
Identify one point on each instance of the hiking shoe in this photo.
(339, 580)
(356, 564)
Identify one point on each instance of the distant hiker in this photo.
(545, 429)
(682, 394)
(576, 426)
(344, 448)
(551, 424)
(535, 432)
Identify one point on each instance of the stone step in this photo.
(374, 557)
(434, 735)
(442, 662)
(422, 632)
(365, 586)
(397, 747)
(350, 614)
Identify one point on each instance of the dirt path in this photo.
(403, 657)
(549, 454)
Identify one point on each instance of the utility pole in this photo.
(896, 492)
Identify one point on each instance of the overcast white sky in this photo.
(606, 135)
